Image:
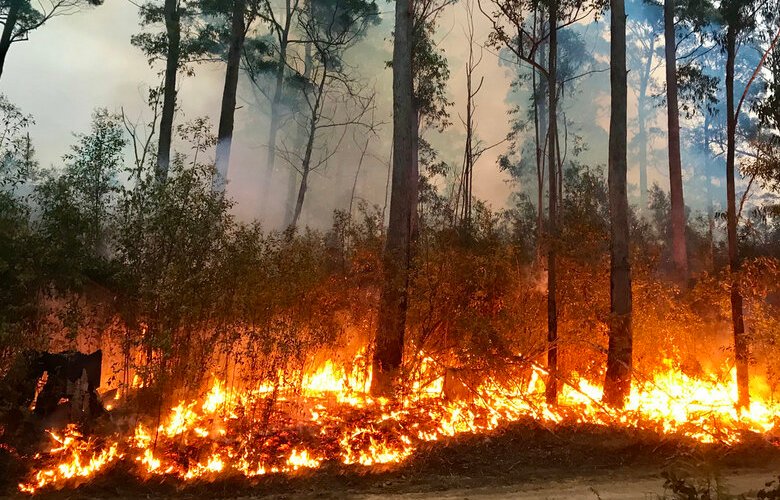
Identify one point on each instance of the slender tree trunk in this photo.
(542, 147)
(539, 171)
(357, 174)
(642, 123)
(468, 153)
(276, 102)
(741, 349)
(710, 207)
(310, 138)
(227, 114)
(388, 348)
(679, 249)
(301, 135)
(617, 383)
(6, 39)
(173, 31)
(551, 389)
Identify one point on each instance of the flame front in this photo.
(228, 432)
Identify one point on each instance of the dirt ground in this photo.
(521, 461)
(626, 485)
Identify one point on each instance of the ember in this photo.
(207, 437)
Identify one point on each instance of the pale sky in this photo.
(77, 63)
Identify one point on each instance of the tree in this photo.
(679, 247)
(331, 98)
(75, 206)
(20, 17)
(736, 22)
(239, 22)
(739, 18)
(617, 383)
(645, 26)
(186, 39)
(391, 325)
(510, 21)
(269, 54)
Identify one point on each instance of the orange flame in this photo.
(217, 434)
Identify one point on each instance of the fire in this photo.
(225, 431)
(75, 458)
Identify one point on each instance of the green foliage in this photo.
(29, 16)
(199, 39)
(76, 205)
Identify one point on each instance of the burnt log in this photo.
(70, 381)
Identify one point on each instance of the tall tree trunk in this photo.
(227, 114)
(644, 81)
(6, 39)
(551, 388)
(388, 348)
(414, 180)
(741, 350)
(617, 383)
(679, 250)
(276, 102)
(173, 31)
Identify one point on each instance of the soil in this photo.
(523, 460)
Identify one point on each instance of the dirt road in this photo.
(625, 486)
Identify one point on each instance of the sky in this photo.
(79, 62)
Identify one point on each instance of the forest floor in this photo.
(521, 461)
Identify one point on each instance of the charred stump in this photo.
(50, 387)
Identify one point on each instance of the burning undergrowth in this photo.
(330, 420)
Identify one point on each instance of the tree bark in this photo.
(679, 248)
(228, 111)
(388, 348)
(741, 350)
(173, 31)
(551, 387)
(617, 383)
(6, 39)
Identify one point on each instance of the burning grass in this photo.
(331, 420)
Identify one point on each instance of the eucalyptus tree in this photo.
(266, 54)
(330, 27)
(240, 14)
(20, 17)
(645, 25)
(391, 324)
(679, 248)
(185, 39)
(420, 74)
(739, 19)
(516, 26)
(617, 382)
(693, 16)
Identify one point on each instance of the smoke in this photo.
(61, 86)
